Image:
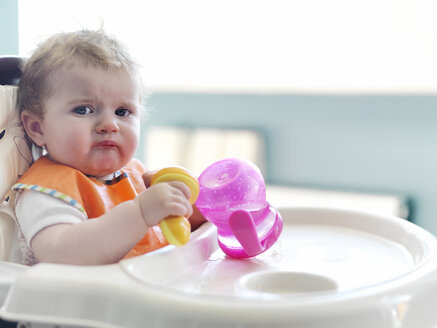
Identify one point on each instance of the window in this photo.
(259, 45)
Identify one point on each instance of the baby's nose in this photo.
(107, 124)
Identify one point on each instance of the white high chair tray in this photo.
(330, 268)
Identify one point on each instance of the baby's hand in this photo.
(164, 199)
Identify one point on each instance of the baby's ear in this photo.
(32, 125)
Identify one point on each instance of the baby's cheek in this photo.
(130, 144)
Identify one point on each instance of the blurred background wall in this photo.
(368, 143)
(373, 142)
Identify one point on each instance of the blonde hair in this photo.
(64, 50)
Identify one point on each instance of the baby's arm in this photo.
(108, 238)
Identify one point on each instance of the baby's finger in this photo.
(180, 208)
(182, 187)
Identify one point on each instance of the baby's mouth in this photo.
(106, 143)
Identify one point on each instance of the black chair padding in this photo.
(10, 71)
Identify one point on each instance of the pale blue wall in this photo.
(8, 27)
(361, 143)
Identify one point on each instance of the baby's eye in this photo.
(83, 110)
(122, 112)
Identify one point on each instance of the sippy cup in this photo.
(232, 196)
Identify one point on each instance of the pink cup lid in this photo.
(231, 184)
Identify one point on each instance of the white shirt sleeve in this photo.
(36, 211)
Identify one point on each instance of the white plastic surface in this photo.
(330, 268)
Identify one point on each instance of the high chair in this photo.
(15, 159)
(15, 152)
(331, 267)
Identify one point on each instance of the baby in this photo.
(84, 200)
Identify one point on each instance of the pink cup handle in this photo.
(243, 227)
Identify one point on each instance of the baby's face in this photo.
(92, 119)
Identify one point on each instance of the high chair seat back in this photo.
(15, 156)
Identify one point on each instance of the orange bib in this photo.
(91, 196)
